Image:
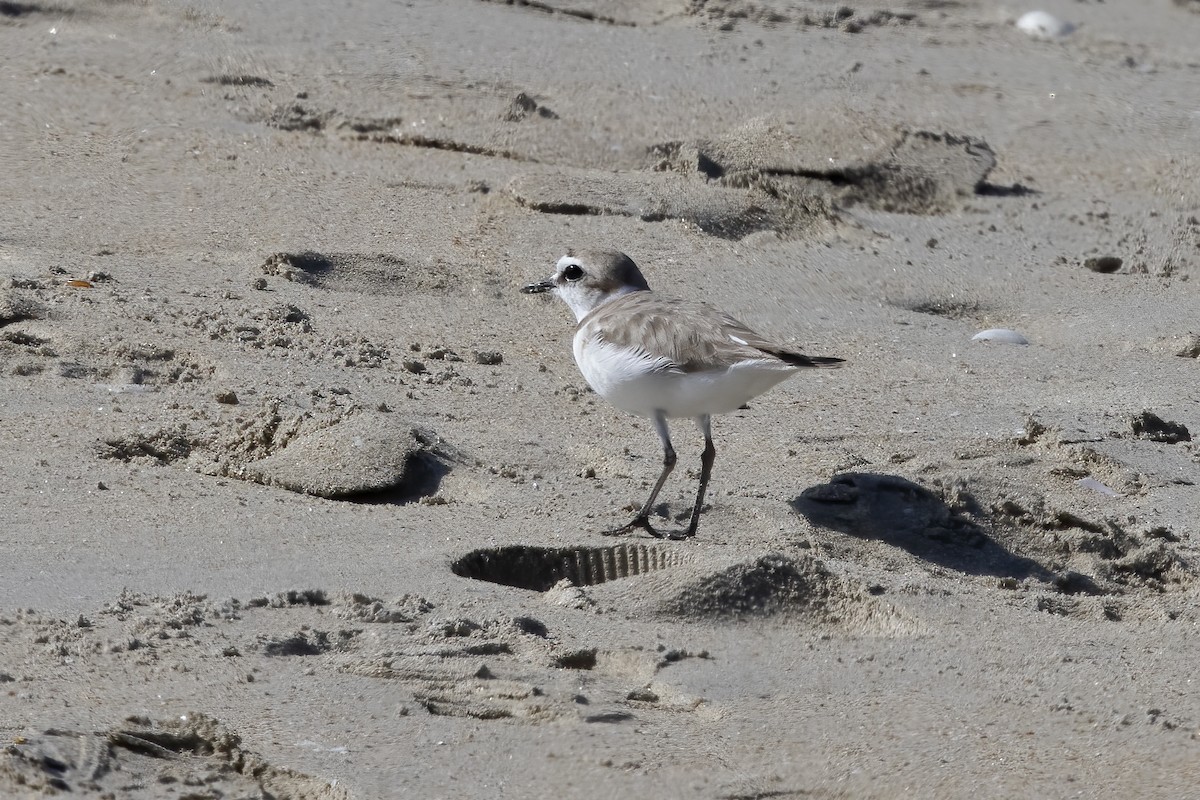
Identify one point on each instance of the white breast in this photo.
(641, 384)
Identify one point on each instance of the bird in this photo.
(662, 357)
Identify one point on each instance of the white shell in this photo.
(1002, 335)
(1041, 25)
(1096, 486)
(124, 388)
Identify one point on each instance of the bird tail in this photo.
(801, 360)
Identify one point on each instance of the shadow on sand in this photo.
(897, 511)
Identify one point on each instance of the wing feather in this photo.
(686, 336)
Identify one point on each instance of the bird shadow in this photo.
(904, 514)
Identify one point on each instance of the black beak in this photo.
(538, 288)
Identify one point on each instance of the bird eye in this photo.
(572, 272)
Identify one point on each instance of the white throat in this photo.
(583, 300)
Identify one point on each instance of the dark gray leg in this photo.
(706, 461)
(642, 520)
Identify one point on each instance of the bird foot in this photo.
(631, 526)
(643, 523)
(674, 536)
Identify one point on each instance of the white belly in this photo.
(639, 384)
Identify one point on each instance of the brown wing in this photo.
(762, 344)
(796, 359)
(686, 336)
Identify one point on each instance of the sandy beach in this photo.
(303, 498)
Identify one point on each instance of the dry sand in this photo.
(301, 498)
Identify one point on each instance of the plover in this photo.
(661, 357)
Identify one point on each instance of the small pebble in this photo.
(489, 358)
(1149, 425)
(228, 398)
(414, 366)
(1191, 349)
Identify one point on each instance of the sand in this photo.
(301, 498)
